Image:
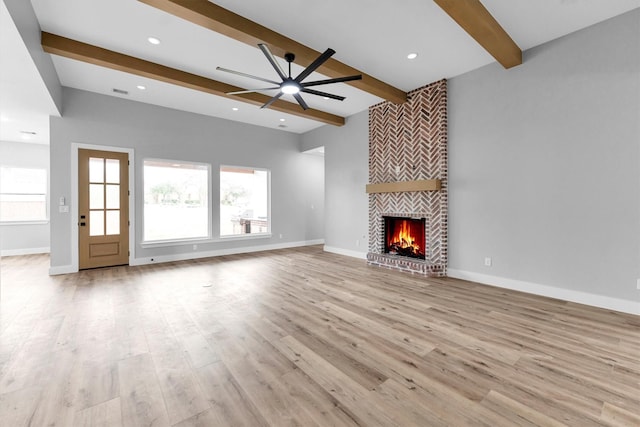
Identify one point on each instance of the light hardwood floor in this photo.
(299, 337)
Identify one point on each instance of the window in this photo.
(244, 201)
(23, 194)
(176, 199)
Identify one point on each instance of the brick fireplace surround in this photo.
(408, 142)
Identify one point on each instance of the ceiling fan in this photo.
(290, 85)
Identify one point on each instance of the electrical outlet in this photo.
(397, 169)
(195, 247)
(638, 284)
(487, 261)
(357, 242)
(280, 235)
(63, 209)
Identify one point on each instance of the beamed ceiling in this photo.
(101, 46)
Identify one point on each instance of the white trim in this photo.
(62, 269)
(34, 222)
(219, 252)
(25, 251)
(231, 237)
(601, 301)
(345, 252)
(73, 203)
(204, 241)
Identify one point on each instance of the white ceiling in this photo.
(374, 37)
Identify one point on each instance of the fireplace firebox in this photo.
(404, 236)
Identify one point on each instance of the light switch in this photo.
(62, 200)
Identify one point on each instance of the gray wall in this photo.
(28, 237)
(544, 164)
(346, 174)
(157, 132)
(26, 22)
(315, 198)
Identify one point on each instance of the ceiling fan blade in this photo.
(238, 92)
(238, 73)
(301, 101)
(336, 80)
(272, 100)
(315, 64)
(265, 49)
(326, 95)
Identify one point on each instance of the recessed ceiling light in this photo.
(141, 87)
(325, 97)
(26, 134)
(412, 55)
(235, 108)
(282, 120)
(153, 40)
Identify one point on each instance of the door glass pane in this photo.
(113, 196)
(96, 196)
(96, 223)
(96, 169)
(113, 222)
(113, 171)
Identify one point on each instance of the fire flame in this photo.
(404, 237)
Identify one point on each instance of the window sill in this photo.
(244, 237)
(177, 242)
(184, 242)
(34, 222)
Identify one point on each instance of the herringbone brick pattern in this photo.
(409, 142)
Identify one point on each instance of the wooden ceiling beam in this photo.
(223, 21)
(476, 20)
(80, 51)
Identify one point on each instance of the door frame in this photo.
(75, 247)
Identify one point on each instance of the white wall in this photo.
(158, 132)
(346, 175)
(544, 170)
(26, 238)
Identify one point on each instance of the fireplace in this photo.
(404, 236)
(407, 150)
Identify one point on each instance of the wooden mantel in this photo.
(400, 186)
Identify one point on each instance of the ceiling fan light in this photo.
(290, 88)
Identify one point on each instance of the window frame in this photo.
(179, 240)
(47, 210)
(266, 234)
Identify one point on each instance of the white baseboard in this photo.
(220, 252)
(26, 251)
(62, 269)
(345, 252)
(625, 306)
